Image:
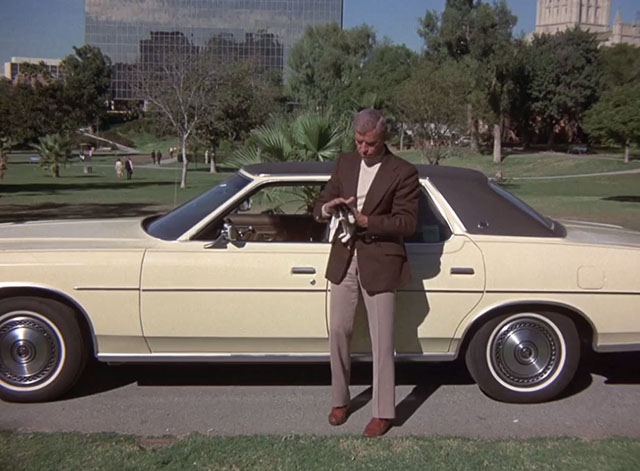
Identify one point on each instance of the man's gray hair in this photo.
(369, 120)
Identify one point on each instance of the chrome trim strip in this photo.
(104, 288)
(427, 291)
(625, 293)
(627, 347)
(230, 290)
(257, 357)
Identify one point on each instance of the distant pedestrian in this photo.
(119, 169)
(159, 157)
(171, 151)
(128, 165)
(153, 156)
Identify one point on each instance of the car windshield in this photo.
(175, 223)
(523, 206)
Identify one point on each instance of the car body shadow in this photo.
(426, 378)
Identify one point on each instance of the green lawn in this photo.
(64, 451)
(27, 192)
(533, 165)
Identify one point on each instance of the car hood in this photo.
(582, 232)
(98, 233)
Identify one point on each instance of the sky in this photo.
(50, 28)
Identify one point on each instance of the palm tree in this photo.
(309, 136)
(54, 150)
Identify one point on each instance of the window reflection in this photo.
(136, 31)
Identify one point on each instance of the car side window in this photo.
(274, 213)
(432, 227)
(284, 200)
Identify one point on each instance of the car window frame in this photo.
(439, 212)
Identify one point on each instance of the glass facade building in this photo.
(138, 32)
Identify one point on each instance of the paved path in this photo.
(433, 400)
(580, 175)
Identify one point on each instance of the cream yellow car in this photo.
(237, 274)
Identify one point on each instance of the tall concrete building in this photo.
(133, 32)
(591, 15)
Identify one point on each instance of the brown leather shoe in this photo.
(338, 415)
(377, 427)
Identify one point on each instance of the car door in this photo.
(447, 272)
(264, 293)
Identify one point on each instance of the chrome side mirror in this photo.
(228, 233)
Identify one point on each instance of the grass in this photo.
(608, 199)
(27, 192)
(535, 165)
(71, 451)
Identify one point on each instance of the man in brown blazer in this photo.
(381, 190)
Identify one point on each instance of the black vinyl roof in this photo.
(481, 208)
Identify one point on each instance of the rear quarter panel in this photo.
(602, 283)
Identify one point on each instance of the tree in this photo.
(494, 49)
(615, 118)
(54, 150)
(480, 35)
(309, 136)
(5, 148)
(566, 80)
(621, 64)
(87, 85)
(434, 106)
(386, 68)
(325, 64)
(243, 101)
(178, 89)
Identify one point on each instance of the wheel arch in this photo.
(586, 329)
(50, 293)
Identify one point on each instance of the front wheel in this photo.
(524, 357)
(42, 350)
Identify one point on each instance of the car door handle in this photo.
(462, 271)
(303, 271)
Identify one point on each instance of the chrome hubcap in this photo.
(525, 351)
(30, 350)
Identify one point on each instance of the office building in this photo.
(133, 32)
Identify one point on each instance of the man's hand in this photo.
(361, 219)
(332, 206)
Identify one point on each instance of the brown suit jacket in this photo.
(392, 208)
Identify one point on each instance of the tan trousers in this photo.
(380, 312)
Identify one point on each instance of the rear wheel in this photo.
(524, 357)
(42, 350)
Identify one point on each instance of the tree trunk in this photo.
(627, 151)
(212, 162)
(497, 142)
(551, 139)
(185, 163)
(402, 136)
(472, 124)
